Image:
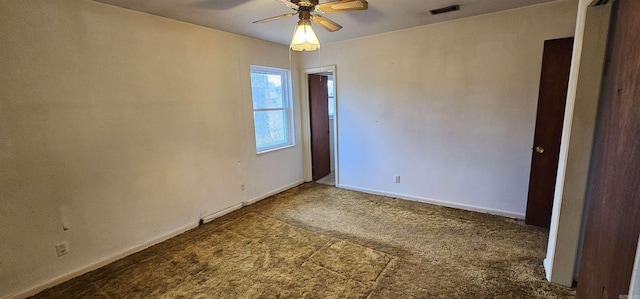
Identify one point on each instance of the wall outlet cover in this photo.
(62, 248)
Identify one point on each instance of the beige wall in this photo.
(125, 126)
(449, 107)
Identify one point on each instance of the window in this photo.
(272, 109)
(332, 97)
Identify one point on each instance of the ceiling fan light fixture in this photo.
(304, 39)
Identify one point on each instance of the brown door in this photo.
(554, 80)
(613, 222)
(319, 116)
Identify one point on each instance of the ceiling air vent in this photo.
(601, 2)
(445, 9)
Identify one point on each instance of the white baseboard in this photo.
(436, 202)
(274, 192)
(223, 212)
(100, 263)
(249, 202)
(131, 250)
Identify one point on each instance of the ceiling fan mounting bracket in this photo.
(309, 4)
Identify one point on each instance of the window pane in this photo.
(330, 87)
(271, 128)
(266, 90)
(332, 106)
(332, 100)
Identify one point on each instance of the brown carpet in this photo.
(317, 241)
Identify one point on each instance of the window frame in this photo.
(287, 107)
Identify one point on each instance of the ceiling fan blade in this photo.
(343, 5)
(275, 18)
(325, 23)
(291, 5)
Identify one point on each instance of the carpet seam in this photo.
(330, 242)
(376, 281)
(339, 274)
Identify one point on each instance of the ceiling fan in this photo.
(304, 38)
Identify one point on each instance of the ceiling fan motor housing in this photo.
(305, 14)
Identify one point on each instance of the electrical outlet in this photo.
(62, 248)
(397, 179)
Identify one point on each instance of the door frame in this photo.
(306, 121)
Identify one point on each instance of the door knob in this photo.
(539, 149)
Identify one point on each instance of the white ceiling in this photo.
(236, 16)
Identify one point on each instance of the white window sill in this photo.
(275, 149)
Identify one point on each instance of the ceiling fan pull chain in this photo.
(290, 67)
(320, 58)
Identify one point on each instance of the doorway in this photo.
(319, 119)
(554, 81)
